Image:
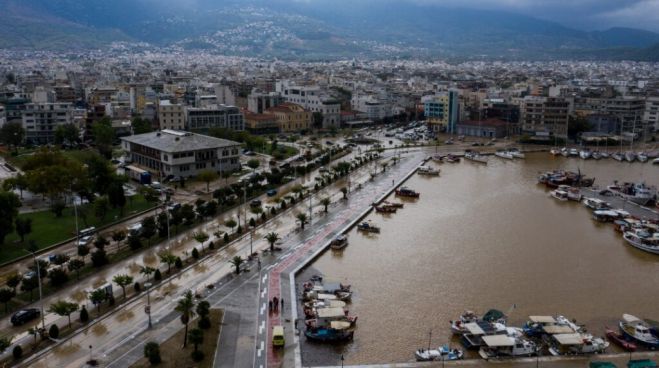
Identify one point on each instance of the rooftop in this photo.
(178, 141)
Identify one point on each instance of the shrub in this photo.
(17, 352)
(226, 238)
(197, 356)
(84, 315)
(195, 253)
(204, 323)
(137, 287)
(53, 332)
(211, 245)
(152, 352)
(157, 276)
(178, 263)
(263, 217)
(111, 300)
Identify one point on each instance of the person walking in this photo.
(282, 304)
(270, 306)
(259, 263)
(275, 303)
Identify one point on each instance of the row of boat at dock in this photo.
(628, 156)
(326, 317)
(555, 335)
(392, 207)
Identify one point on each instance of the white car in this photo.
(85, 240)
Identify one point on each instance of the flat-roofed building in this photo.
(228, 117)
(291, 117)
(171, 116)
(40, 120)
(179, 153)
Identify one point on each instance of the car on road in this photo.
(85, 240)
(24, 315)
(329, 143)
(278, 336)
(255, 203)
(271, 192)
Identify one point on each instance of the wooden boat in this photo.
(619, 340)
(393, 204)
(407, 192)
(384, 209)
(368, 227)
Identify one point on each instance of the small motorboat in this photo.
(452, 159)
(559, 194)
(573, 152)
(429, 171)
(407, 192)
(619, 340)
(655, 161)
(642, 157)
(393, 204)
(442, 353)
(630, 156)
(618, 156)
(596, 155)
(576, 343)
(385, 209)
(504, 154)
(339, 242)
(476, 157)
(328, 334)
(585, 154)
(635, 329)
(368, 227)
(555, 151)
(516, 153)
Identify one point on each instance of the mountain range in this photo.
(319, 29)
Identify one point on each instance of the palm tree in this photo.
(237, 261)
(272, 238)
(63, 308)
(201, 237)
(123, 281)
(302, 219)
(186, 306)
(325, 202)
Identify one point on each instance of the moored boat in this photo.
(368, 227)
(516, 153)
(475, 156)
(452, 159)
(638, 193)
(643, 240)
(642, 157)
(407, 192)
(339, 242)
(630, 156)
(385, 209)
(328, 334)
(618, 156)
(637, 330)
(442, 353)
(506, 346)
(619, 340)
(491, 316)
(585, 154)
(595, 204)
(576, 343)
(504, 154)
(559, 194)
(429, 171)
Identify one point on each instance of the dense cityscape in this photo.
(176, 206)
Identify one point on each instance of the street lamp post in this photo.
(342, 359)
(310, 207)
(148, 302)
(251, 242)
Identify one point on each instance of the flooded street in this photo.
(484, 237)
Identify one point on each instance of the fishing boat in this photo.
(385, 209)
(573, 194)
(642, 157)
(323, 334)
(339, 242)
(547, 325)
(576, 343)
(559, 194)
(476, 157)
(595, 204)
(643, 240)
(407, 192)
(368, 227)
(438, 158)
(504, 154)
(585, 154)
(556, 178)
(473, 338)
(516, 153)
(619, 340)
(630, 156)
(637, 330)
(393, 204)
(605, 215)
(442, 353)
(496, 346)
(491, 316)
(452, 159)
(429, 171)
(618, 156)
(638, 193)
(323, 317)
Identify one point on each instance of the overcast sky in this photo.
(588, 14)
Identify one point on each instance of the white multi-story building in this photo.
(228, 117)
(314, 99)
(40, 120)
(177, 153)
(373, 107)
(259, 101)
(171, 116)
(651, 115)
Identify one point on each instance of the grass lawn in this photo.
(286, 151)
(173, 353)
(48, 229)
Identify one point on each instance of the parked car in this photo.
(255, 203)
(85, 240)
(24, 315)
(272, 192)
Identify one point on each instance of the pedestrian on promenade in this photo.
(259, 263)
(270, 306)
(275, 303)
(282, 304)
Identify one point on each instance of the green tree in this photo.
(196, 337)
(97, 297)
(101, 242)
(325, 202)
(75, 265)
(28, 285)
(186, 306)
(23, 227)
(100, 258)
(147, 271)
(236, 262)
(116, 197)
(151, 195)
(101, 207)
(67, 133)
(141, 126)
(231, 223)
(344, 190)
(207, 176)
(134, 242)
(58, 277)
(18, 182)
(122, 281)
(302, 219)
(118, 236)
(5, 343)
(12, 134)
(253, 164)
(83, 251)
(103, 136)
(200, 237)
(6, 295)
(149, 228)
(169, 259)
(152, 352)
(13, 280)
(63, 308)
(9, 205)
(53, 332)
(272, 238)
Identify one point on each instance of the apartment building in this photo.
(171, 116)
(291, 117)
(314, 99)
(545, 115)
(40, 120)
(217, 116)
(441, 111)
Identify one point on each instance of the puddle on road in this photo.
(66, 349)
(79, 295)
(125, 315)
(200, 268)
(98, 283)
(168, 289)
(150, 259)
(99, 329)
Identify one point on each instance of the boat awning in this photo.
(474, 328)
(542, 319)
(340, 325)
(331, 287)
(330, 312)
(569, 339)
(336, 304)
(606, 213)
(629, 318)
(498, 340)
(557, 329)
(326, 297)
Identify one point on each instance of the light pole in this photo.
(36, 264)
(251, 241)
(310, 208)
(342, 359)
(147, 309)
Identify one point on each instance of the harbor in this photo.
(473, 263)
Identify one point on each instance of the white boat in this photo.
(577, 343)
(506, 346)
(574, 152)
(596, 155)
(476, 157)
(504, 154)
(595, 204)
(573, 193)
(537, 326)
(442, 353)
(655, 161)
(585, 154)
(559, 194)
(638, 193)
(630, 156)
(555, 151)
(638, 331)
(618, 156)
(643, 240)
(516, 153)
(425, 170)
(565, 152)
(605, 154)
